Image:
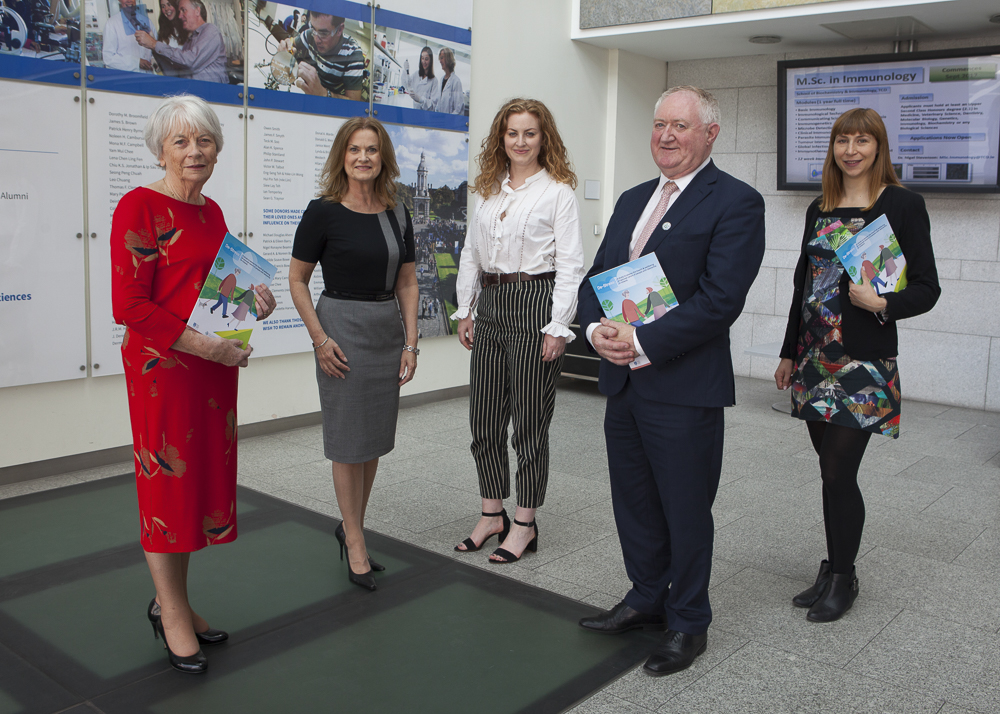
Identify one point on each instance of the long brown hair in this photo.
(494, 162)
(858, 121)
(171, 28)
(333, 181)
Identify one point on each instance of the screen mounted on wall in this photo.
(941, 111)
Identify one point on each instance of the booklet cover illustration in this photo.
(226, 305)
(637, 293)
(872, 255)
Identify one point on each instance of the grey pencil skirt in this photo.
(360, 411)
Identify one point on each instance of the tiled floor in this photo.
(924, 636)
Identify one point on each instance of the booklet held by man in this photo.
(227, 299)
(637, 293)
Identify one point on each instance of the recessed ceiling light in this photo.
(765, 39)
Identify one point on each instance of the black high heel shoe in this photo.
(208, 637)
(342, 539)
(509, 557)
(194, 664)
(365, 580)
(470, 545)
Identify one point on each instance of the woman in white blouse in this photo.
(521, 266)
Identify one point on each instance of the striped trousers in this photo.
(510, 381)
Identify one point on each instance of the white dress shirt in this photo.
(120, 50)
(682, 183)
(534, 228)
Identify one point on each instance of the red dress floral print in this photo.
(182, 407)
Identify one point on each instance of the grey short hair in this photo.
(709, 105)
(200, 6)
(184, 110)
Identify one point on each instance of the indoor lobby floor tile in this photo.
(448, 632)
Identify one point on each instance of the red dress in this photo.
(182, 407)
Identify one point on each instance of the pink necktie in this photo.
(669, 189)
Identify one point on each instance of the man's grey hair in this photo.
(200, 7)
(708, 104)
(183, 111)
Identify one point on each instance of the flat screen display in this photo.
(941, 111)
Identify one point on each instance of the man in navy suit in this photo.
(664, 422)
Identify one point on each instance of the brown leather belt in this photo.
(504, 278)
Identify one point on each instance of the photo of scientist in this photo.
(121, 51)
(299, 50)
(189, 39)
(418, 72)
(203, 56)
(331, 63)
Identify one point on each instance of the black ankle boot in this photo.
(840, 594)
(810, 595)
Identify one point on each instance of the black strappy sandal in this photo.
(509, 557)
(470, 545)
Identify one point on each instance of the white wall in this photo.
(521, 48)
(945, 355)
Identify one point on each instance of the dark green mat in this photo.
(438, 636)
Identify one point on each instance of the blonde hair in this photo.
(858, 121)
(333, 181)
(449, 58)
(494, 162)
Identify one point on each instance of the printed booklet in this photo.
(227, 298)
(637, 293)
(872, 255)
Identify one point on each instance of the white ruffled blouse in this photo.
(533, 229)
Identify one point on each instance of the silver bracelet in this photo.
(316, 347)
(414, 350)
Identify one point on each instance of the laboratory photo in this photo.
(40, 29)
(418, 72)
(188, 39)
(308, 51)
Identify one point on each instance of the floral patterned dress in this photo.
(828, 385)
(182, 407)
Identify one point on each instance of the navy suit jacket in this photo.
(710, 254)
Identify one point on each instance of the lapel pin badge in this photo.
(666, 226)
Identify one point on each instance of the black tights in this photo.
(840, 450)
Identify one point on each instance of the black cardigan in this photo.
(865, 338)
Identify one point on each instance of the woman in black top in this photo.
(364, 327)
(839, 355)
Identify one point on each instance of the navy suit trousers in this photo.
(665, 461)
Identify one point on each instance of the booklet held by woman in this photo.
(227, 298)
(872, 255)
(637, 293)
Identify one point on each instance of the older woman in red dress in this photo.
(181, 384)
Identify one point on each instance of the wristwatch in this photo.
(414, 350)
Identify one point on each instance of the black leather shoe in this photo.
(810, 595)
(622, 618)
(675, 652)
(208, 637)
(193, 664)
(342, 539)
(212, 637)
(837, 598)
